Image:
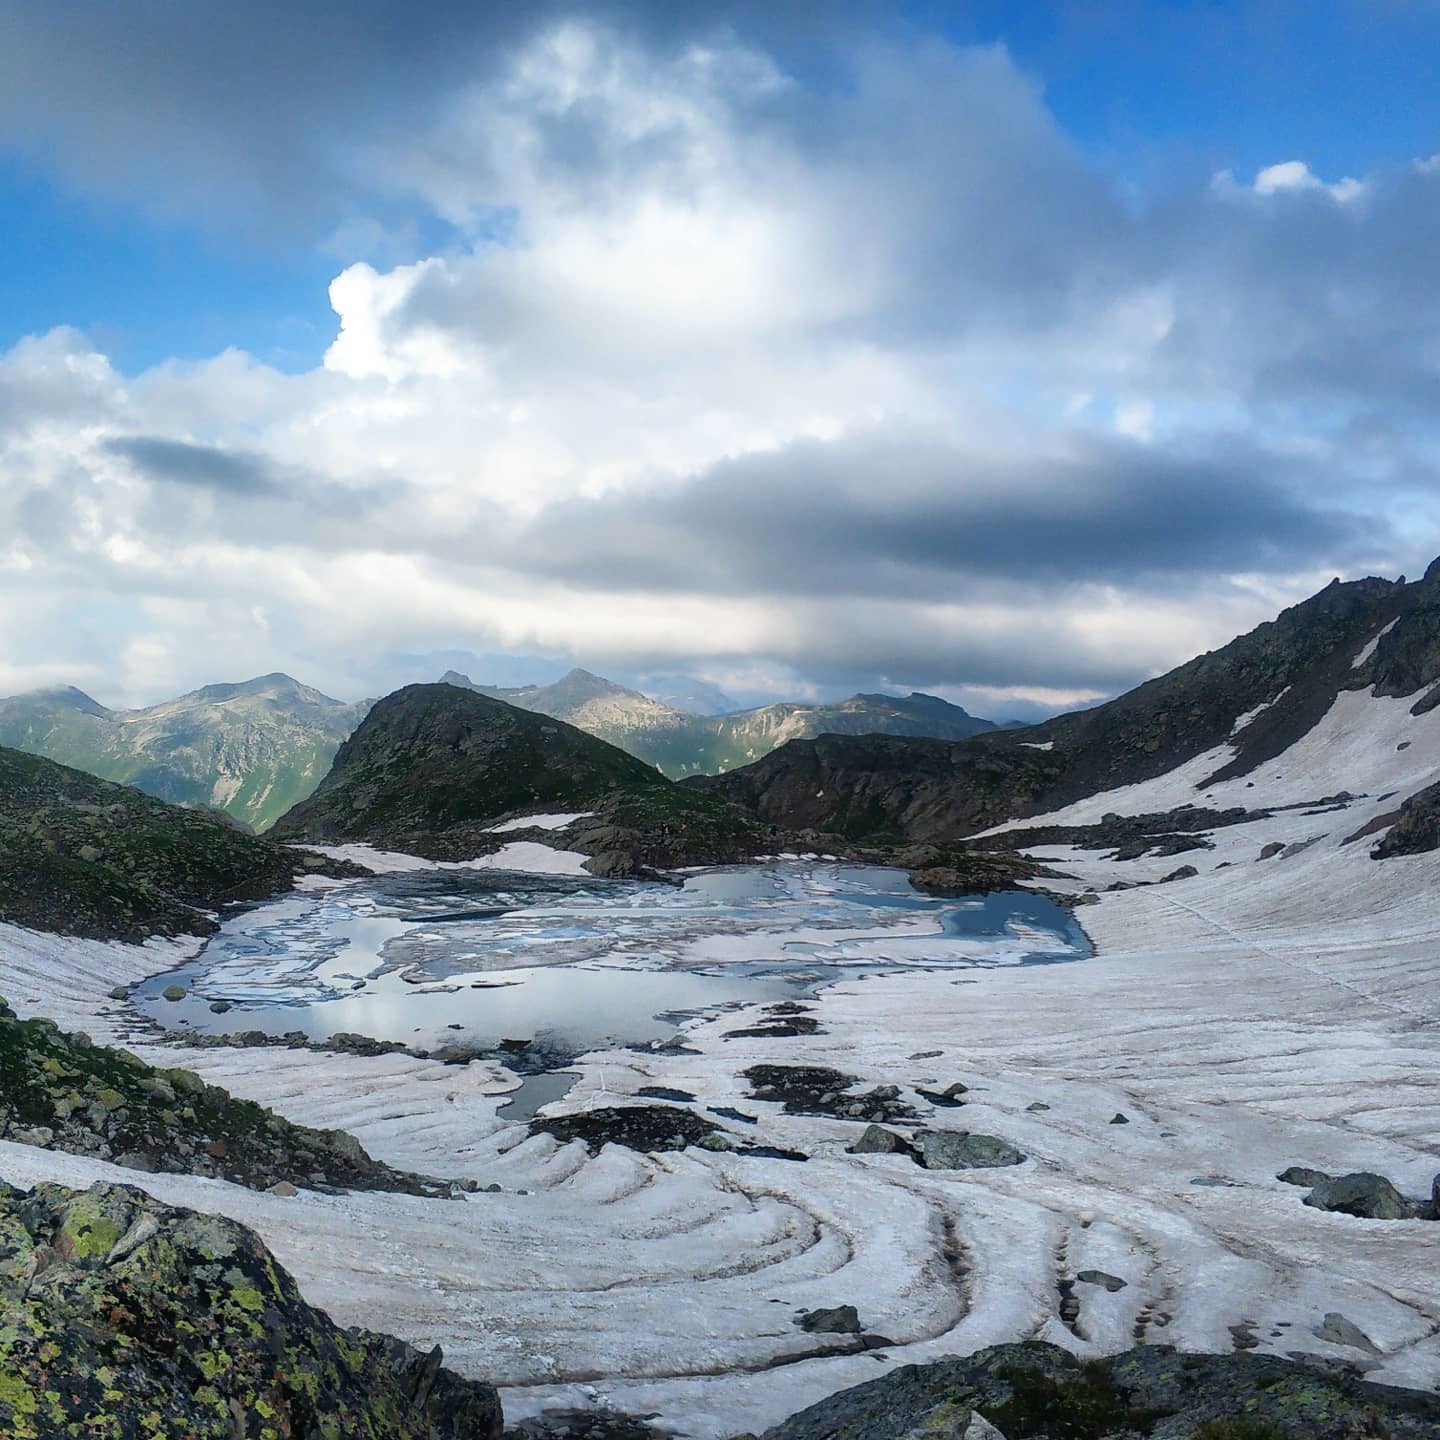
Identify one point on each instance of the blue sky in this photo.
(1158, 93)
(1011, 351)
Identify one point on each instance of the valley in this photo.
(792, 1084)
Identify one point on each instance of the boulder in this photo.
(837, 1320)
(1111, 1283)
(1364, 1195)
(876, 1140)
(962, 1150)
(1340, 1331)
(1304, 1175)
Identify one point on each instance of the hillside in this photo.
(83, 856)
(252, 749)
(435, 761)
(680, 743)
(1243, 705)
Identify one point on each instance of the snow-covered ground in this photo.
(1261, 1014)
(530, 856)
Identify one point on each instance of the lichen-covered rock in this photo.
(123, 1318)
(1039, 1390)
(961, 1150)
(64, 1092)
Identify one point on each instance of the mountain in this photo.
(679, 743)
(251, 749)
(439, 760)
(83, 856)
(1224, 714)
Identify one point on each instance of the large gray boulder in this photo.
(1363, 1194)
(963, 1150)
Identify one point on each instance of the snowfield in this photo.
(1261, 1014)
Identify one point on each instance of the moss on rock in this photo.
(123, 1318)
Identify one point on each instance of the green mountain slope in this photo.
(83, 856)
(252, 750)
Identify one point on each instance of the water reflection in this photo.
(482, 957)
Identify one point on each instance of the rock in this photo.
(1039, 1390)
(174, 992)
(126, 1317)
(647, 1128)
(119, 992)
(1185, 872)
(878, 1141)
(283, 1188)
(1099, 1277)
(1340, 1331)
(1304, 1175)
(219, 1007)
(961, 1150)
(1272, 849)
(1036, 1105)
(1119, 1118)
(1363, 1194)
(838, 1320)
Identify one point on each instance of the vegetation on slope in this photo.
(82, 856)
(252, 750)
(63, 1092)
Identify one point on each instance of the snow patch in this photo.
(539, 822)
(529, 856)
(1369, 649)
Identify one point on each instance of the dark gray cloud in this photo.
(178, 462)
(252, 114)
(890, 517)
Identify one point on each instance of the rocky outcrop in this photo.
(647, 1128)
(62, 1092)
(1260, 694)
(1036, 1389)
(1416, 829)
(124, 1317)
(81, 856)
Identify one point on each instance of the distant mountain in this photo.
(681, 743)
(251, 749)
(1239, 707)
(82, 856)
(685, 692)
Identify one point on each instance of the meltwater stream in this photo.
(482, 957)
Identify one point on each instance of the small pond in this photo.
(482, 957)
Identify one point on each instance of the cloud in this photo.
(860, 379)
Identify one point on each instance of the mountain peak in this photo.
(70, 697)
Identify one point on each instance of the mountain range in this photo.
(680, 742)
(252, 750)
(1227, 713)
(258, 748)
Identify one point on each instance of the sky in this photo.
(1012, 352)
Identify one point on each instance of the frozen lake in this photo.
(481, 957)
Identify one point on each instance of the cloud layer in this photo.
(871, 378)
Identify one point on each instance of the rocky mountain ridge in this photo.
(1248, 701)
